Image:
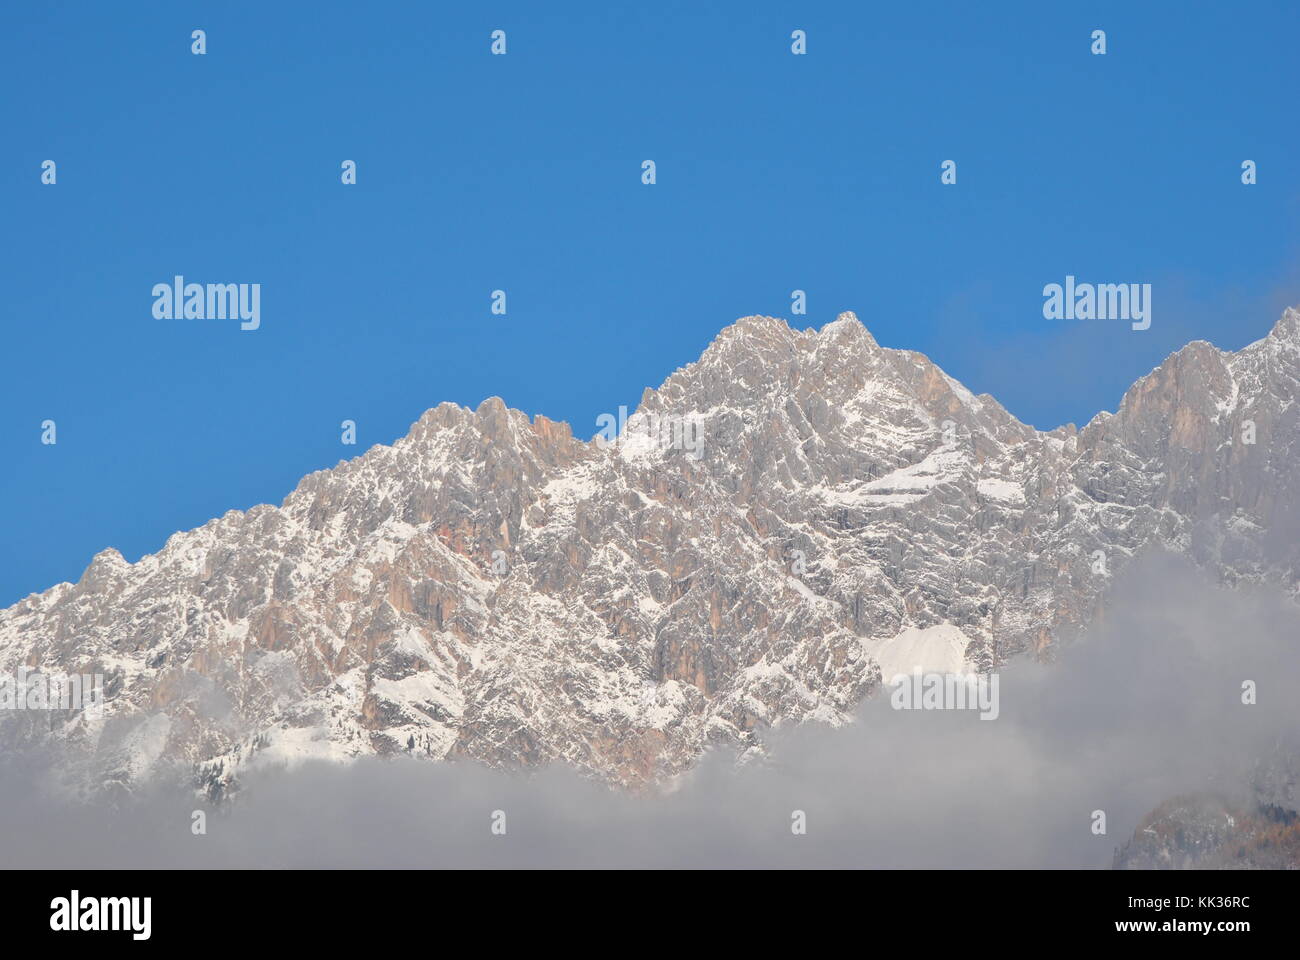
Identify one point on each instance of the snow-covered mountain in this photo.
(491, 587)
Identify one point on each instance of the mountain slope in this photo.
(490, 587)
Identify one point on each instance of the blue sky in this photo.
(522, 172)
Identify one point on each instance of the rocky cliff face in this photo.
(782, 523)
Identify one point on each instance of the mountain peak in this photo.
(1287, 327)
(744, 328)
(847, 325)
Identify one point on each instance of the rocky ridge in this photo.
(490, 587)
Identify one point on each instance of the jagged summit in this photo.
(1287, 327)
(776, 327)
(783, 520)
